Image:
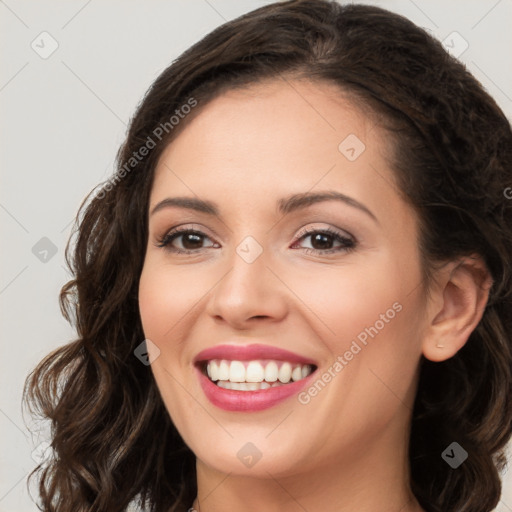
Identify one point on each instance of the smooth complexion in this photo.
(245, 152)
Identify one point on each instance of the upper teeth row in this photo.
(256, 371)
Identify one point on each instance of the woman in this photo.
(294, 293)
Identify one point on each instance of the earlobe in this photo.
(456, 305)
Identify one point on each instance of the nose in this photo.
(249, 293)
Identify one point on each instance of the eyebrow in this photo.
(285, 205)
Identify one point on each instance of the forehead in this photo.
(273, 129)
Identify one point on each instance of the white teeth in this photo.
(255, 375)
(271, 372)
(285, 373)
(297, 373)
(213, 370)
(254, 372)
(236, 371)
(223, 370)
(243, 386)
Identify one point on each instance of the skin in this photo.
(346, 449)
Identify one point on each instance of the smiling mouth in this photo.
(254, 375)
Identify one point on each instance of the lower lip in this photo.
(249, 401)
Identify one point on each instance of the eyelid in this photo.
(165, 240)
(348, 242)
(329, 229)
(189, 226)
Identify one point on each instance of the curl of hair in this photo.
(113, 440)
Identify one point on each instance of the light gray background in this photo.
(63, 119)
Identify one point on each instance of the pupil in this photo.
(191, 237)
(324, 240)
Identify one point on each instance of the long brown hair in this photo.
(112, 438)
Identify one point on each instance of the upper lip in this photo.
(249, 353)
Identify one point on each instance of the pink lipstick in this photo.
(251, 378)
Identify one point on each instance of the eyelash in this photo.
(349, 244)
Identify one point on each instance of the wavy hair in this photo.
(112, 438)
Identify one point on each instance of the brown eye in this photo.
(325, 241)
(322, 241)
(184, 241)
(191, 241)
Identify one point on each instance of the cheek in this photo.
(349, 299)
(366, 314)
(165, 296)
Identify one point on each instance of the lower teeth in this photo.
(247, 386)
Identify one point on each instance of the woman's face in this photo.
(334, 280)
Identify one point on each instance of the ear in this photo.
(455, 306)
